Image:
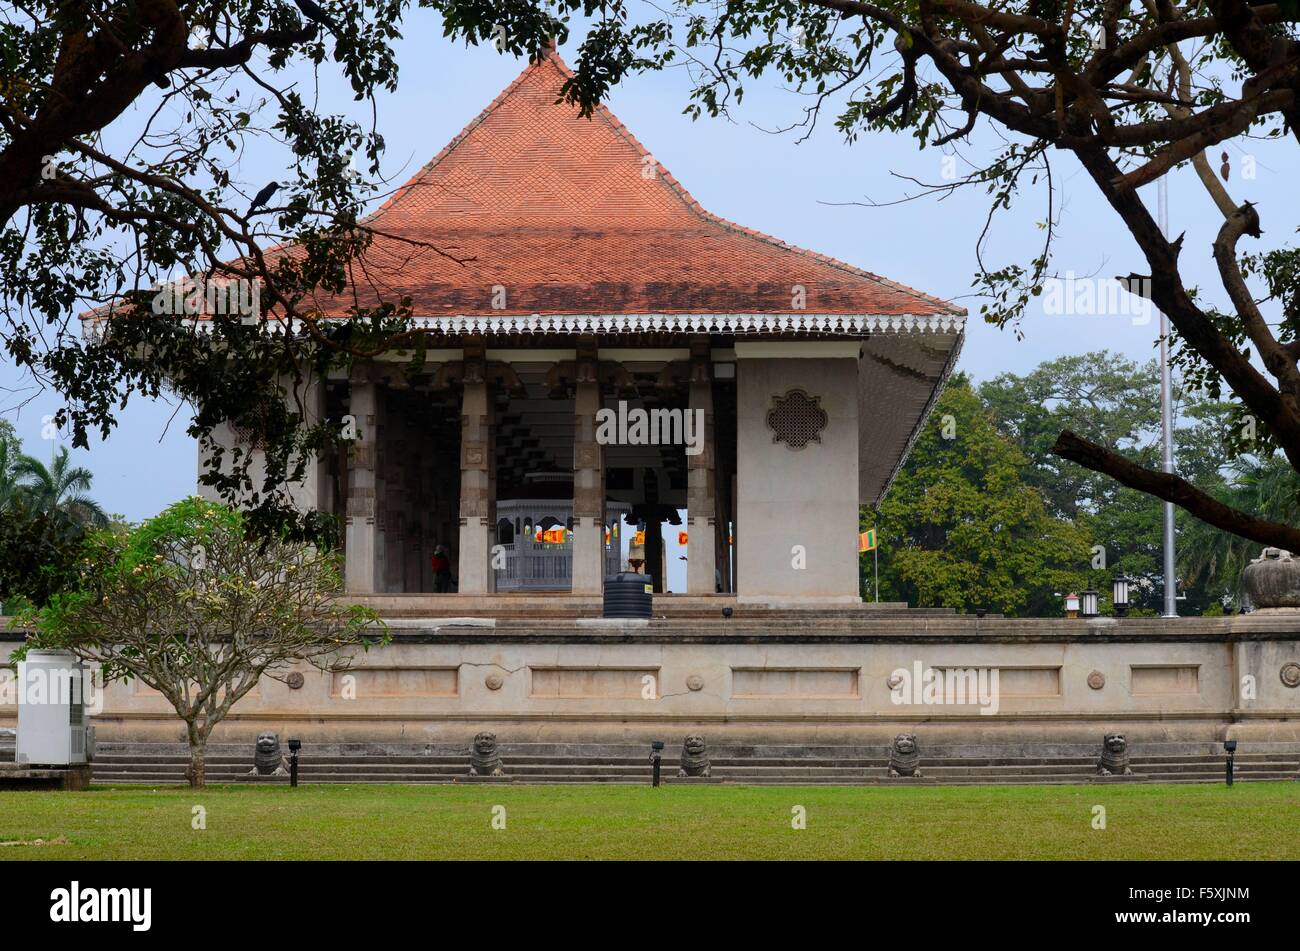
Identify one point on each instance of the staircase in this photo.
(547, 763)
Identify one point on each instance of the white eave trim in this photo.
(857, 324)
(843, 324)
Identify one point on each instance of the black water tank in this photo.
(629, 595)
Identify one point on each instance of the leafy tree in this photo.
(60, 487)
(1214, 560)
(38, 548)
(1115, 401)
(1131, 90)
(192, 85)
(40, 554)
(194, 607)
(961, 528)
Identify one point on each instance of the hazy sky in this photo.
(765, 181)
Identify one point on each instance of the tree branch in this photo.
(1174, 489)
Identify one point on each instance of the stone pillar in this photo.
(588, 480)
(477, 478)
(701, 495)
(392, 461)
(364, 545)
(797, 485)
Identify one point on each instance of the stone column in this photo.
(701, 494)
(364, 545)
(588, 480)
(477, 478)
(392, 459)
(797, 473)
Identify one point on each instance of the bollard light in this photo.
(294, 747)
(1088, 602)
(656, 756)
(1071, 605)
(1119, 593)
(1230, 747)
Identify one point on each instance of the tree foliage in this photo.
(961, 527)
(1007, 425)
(194, 607)
(1130, 89)
(44, 514)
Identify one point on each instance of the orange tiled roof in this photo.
(572, 216)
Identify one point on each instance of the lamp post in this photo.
(1230, 747)
(1119, 593)
(1167, 425)
(656, 757)
(294, 747)
(1088, 602)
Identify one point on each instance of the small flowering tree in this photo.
(200, 610)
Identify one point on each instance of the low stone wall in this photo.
(780, 680)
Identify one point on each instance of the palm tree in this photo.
(60, 489)
(8, 481)
(1268, 488)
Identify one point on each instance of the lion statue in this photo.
(695, 758)
(484, 758)
(905, 756)
(1114, 756)
(268, 760)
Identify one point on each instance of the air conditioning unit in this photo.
(52, 727)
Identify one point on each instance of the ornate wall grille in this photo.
(796, 419)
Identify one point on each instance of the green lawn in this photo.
(1249, 821)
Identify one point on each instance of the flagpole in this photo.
(876, 557)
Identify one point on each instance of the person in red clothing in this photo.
(441, 570)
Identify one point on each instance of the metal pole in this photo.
(876, 552)
(1167, 424)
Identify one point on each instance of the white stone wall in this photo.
(592, 684)
(797, 507)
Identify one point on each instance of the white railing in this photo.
(531, 565)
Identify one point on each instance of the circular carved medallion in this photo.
(493, 681)
(1291, 674)
(295, 680)
(695, 682)
(894, 681)
(1096, 680)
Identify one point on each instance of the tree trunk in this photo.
(197, 771)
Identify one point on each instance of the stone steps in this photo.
(523, 769)
(640, 762)
(878, 778)
(160, 764)
(159, 768)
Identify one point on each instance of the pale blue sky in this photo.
(762, 180)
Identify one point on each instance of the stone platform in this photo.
(13, 776)
(545, 673)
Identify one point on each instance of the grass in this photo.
(1248, 821)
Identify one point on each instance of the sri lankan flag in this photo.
(867, 540)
